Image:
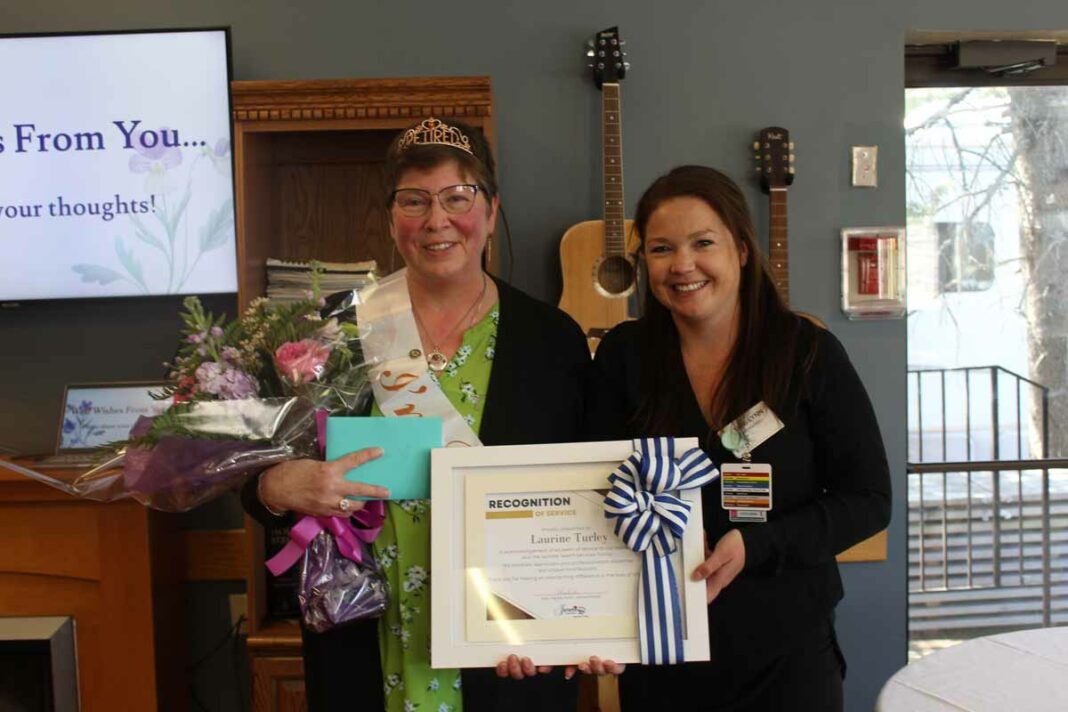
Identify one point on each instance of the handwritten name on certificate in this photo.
(552, 555)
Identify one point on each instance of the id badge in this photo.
(748, 431)
(745, 491)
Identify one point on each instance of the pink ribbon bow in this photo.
(347, 535)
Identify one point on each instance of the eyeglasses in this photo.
(455, 199)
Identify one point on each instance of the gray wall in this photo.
(705, 77)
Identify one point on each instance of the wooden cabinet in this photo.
(115, 568)
(278, 682)
(308, 158)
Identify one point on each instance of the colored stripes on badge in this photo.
(745, 489)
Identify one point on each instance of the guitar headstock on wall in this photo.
(606, 57)
(774, 158)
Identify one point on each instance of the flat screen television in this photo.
(116, 173)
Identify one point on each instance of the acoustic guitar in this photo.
(599, 272)
(775, 165)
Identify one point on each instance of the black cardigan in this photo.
(536, 394)
(830, 485)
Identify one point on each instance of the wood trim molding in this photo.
(397, 100)
(872, 549)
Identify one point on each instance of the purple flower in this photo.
(85, 406)
(225, 381)
(216, 332)
(195, 338)
(219, 155)
(157, 159)
(229, 353)
(68, 425)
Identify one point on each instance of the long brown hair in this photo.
(762, 363)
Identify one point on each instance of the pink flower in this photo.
(301, 361)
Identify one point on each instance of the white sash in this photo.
(399, 373)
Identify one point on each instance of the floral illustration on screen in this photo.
(165, 247)
(78, 427)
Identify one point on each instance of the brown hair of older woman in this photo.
(478, 164)
(761, 364)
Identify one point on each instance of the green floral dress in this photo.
(403, 549)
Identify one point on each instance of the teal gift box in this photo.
(404, 467)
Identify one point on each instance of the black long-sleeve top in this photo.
(830, 488)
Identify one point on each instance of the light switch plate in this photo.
(865, 168)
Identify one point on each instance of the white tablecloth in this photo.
(1026, 670)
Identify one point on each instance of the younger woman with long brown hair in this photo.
(719, 356)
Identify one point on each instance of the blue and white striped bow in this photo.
(650, 519)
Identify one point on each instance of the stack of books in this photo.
(289, 281)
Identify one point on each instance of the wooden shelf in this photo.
(308, 159)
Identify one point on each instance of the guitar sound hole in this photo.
(615, 276)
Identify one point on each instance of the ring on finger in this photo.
(344, 504)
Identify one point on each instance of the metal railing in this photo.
(1000, 383)
(965, 539)
(988, 536)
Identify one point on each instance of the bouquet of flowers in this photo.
(244, 395)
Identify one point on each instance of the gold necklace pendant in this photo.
(435, 359)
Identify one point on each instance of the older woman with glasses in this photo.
(512, 367)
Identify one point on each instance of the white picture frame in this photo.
(464, 630)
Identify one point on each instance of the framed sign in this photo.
(524, 560)
(95, 414)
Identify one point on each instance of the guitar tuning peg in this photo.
(790, 170)
(626, 65)
(615, 53)
(758, 170)
(791, 158)
(590, 43)
(756, 145)
(601, 53)
(600, 65)
(590, 65)
(791, 145)
(590, 53)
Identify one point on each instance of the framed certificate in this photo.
(524, 560)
